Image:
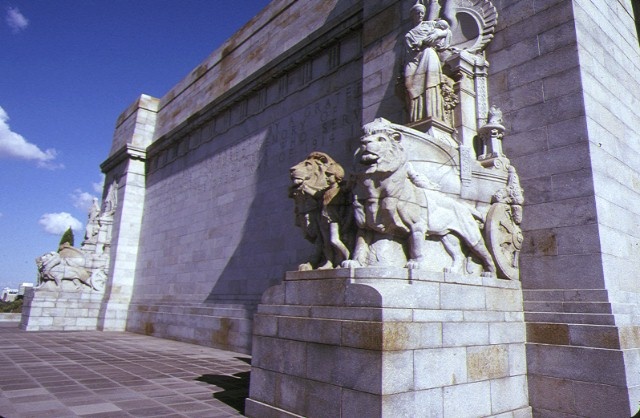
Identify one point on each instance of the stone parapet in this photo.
(389, 342)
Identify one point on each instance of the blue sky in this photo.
(68, 68)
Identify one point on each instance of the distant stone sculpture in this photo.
(391, 199)
(322, 209)
(68, 264)
(86, 267)
(93, 224)
(423, 77)
(110, 201)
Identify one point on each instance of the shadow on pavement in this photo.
(235, 388)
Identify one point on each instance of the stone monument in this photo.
(71, 281)
(422, 315)
(199, 234)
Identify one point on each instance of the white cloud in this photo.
(99, 185)
(14, 145)
(57, 223)
(82, 200)
(16, 20)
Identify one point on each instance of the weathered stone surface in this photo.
(398, 367)
(564, 74)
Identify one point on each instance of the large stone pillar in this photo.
(125, 167)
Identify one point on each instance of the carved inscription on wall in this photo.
(318, 125)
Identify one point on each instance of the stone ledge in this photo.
(362, 274)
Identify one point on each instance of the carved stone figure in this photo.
(391, 199)
(67, 264)
(502, 229)
(110, 201)
(322, 209)
(423, 76)
(93, 225)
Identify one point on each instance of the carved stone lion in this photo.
(322, 209)
(56, 267)
(391, 199)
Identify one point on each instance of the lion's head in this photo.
(315, 174)
(381, 149)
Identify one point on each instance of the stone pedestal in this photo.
(387, 342)
(48, 310)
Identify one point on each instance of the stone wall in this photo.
(204, 172)
(217, 228)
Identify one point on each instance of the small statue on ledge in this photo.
(425, 45)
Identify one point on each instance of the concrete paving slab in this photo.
(116, 374)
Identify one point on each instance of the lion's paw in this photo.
(305, 267)
(488, 274)
(415, 265)
(348, 264)
(326, 266)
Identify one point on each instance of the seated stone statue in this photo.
(391, 199)
(322, 209)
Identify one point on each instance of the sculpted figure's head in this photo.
(418, 12)
(315, 174)
(381, 149)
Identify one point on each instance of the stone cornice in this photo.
(128, 152)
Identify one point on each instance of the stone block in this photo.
(363, 404)
(429, 403)
(265, 325)
(311, 330)
(89, 323)
(483, 316)
(577, 363)
(391, 335)
(322, 399)
(326, 292)
(439, 367)
(428, 315)
(509, 394)
(364, 335)
(411, 335)
(397, 372)
(454, 296)
(504, 300)
(517, 359)
(282, 356)
(422, 295)
(467, 400)
(487, 362)
(356, 369)
(465, 334)
(63, 321)
(508, 332)
(601, 400)
(290, 394)
(594, 336)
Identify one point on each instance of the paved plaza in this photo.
(116, 374)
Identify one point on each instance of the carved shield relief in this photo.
(504, 240)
